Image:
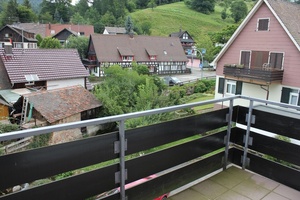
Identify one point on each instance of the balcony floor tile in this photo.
(237, 184)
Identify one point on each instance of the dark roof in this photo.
(66, 30)
(19, 30)
(47, 64)
(36, 28)
(289, 14)
(166, 48)
(180, 35)
(61, 103)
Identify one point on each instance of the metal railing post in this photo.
(249, 120)
(227, 138)
(122, 159)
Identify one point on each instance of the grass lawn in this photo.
(205, 97)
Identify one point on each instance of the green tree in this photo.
(125, 91)
(27, 4)
(25, 14)
(129, 26)
(108, 19)
(39, 39)
(50, 43)
(80, 43)
(203, 6)
(238, 10)
(10, 14)
(92, 15)
(45, 18)
(78, 19)
(145, 28)
(81, 7)
(224, 14)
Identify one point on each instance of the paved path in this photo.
(196, 72)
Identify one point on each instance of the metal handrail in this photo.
(103, 120)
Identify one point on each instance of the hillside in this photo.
(170, 18)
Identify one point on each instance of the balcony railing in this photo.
(253, 75)
(211, 142)
(87, 62)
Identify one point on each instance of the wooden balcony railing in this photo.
(253, 75)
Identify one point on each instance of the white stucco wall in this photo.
(55, 84)
(252, 90)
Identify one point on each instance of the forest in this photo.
(98, 13)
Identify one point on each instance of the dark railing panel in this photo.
(35, 164)
(254, 73)
(76, 188)
(173, 156)
(159, 134)
(275, 123)
(175, 179)
(267, 145)
(275, 171)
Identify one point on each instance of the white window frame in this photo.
(258, 24)
(294, 94)
(185, 36)
(283, 56)
(229, 85)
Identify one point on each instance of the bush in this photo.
(4, 128)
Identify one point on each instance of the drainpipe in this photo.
(267, 90)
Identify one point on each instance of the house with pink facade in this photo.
(262, 58)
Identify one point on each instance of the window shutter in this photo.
(221, 85)
(245, 58)
(299, 98)
(285, 95)
(239, 86)
(263, 24)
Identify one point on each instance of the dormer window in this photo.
(263, 24)
(127, 58)
(152, 57)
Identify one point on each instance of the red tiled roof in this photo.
(58, 104)
(47, 64)
(166, 48)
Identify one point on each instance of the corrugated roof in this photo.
(47, 64)
(166, 48)
(61, 103)
(115, 30)
(9, 96)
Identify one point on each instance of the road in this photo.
(196, 72)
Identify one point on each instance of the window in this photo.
(127, 58)
(290, 96)
(245, 59)
(294, 98)
(276, 60)
(263, 24)
(231, 87)
(185, 36)
(152, 57)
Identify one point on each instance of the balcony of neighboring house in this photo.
(264, 75)
(20, 45)
(239, 153)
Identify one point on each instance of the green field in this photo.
(170, 18)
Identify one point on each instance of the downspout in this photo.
(267, 90)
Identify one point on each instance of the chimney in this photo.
(131, 34)
(8, 48)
